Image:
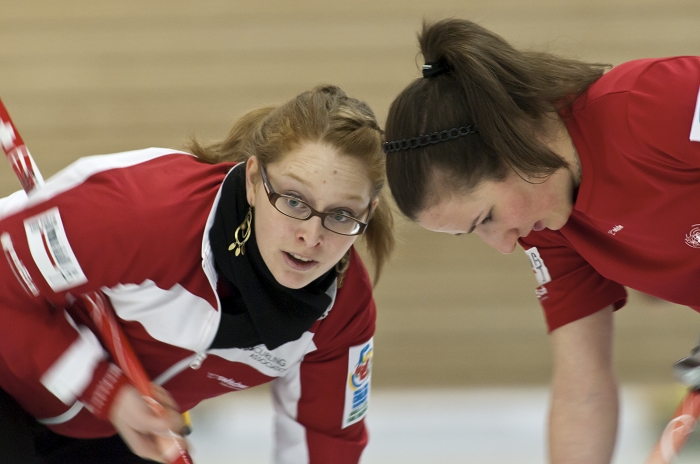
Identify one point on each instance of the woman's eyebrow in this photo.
(349, 197)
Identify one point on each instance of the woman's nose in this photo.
(310, 231)
(505, 242)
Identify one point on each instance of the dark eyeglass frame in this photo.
(273, 196)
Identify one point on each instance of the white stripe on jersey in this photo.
(695, 126)
(68, 377)
(76, 173)
(290, 435)
(174, 316)
(65, 417)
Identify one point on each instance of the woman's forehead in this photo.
(453, 213)
(316, 165)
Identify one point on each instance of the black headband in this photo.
(429, 139)
(435, 69)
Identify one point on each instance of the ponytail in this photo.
(234, 148)
(483, 81)
(508, 92)
(379, 236)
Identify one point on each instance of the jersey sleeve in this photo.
(49, 359)
(568, 287)
(102, 222)
(664, 111)
(320, 407)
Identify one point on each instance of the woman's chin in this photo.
(294, 284)
(294, 279)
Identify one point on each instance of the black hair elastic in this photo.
(428, 139)
(435, 69)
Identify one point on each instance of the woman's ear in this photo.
(252, 178)
(372, 208)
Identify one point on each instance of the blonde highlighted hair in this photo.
(327, 115)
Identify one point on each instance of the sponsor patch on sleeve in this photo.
(358, 383)
(538, 267)
(695, 127)
(51, 251)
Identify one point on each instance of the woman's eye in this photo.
(293, 202)
(487, 219)
(341, 217)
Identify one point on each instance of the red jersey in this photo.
(136, 225)
(636, 218)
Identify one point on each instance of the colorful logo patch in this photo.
(358, 384)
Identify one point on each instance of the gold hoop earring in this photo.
(238, 245)
(342, 267)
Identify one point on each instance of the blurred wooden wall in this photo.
(82, 78)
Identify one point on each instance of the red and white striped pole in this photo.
(17, 154)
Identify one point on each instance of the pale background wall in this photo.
(85, 77)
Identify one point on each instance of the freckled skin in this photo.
(327, 180)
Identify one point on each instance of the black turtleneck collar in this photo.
(256, 308)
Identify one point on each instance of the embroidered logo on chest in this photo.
(226, 382)
(693, 238)
(615, 229)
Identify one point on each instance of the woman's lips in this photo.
(538, 226)
(297, 264)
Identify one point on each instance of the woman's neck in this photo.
(557, 138)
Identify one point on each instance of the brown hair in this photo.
(506, 93)
(324, 114)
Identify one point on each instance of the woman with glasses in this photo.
(594, 172)
(228, 269)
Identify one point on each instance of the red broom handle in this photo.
(102, 314)
(17, 154)
(677, 431)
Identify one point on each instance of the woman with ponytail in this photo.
(594, 172)
(228, 268)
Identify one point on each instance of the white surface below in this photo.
(485, 426)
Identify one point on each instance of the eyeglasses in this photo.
(335, 221)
